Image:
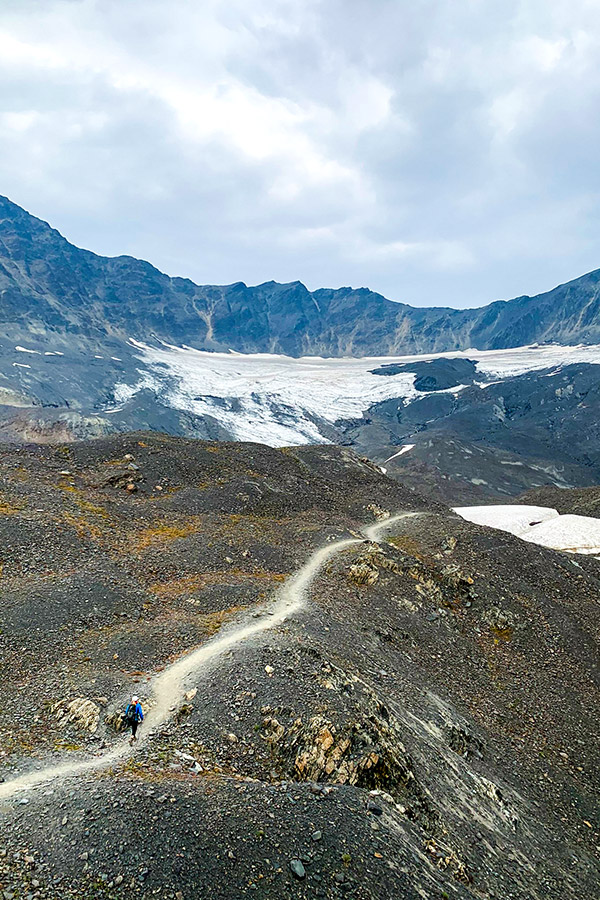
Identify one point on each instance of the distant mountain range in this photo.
(50, 287)
(72, 366)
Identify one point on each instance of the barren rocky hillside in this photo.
(577, 501)
(422, 724)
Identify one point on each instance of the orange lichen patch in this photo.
(9, 509)
(20, 473)
(212, 622)
(501, 634)
(407, 545)
(166, 492)
(78, 496)
(65, 486)
(83, 527)
(188, 585)
(163, 533)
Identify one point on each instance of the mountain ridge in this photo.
(50, 286)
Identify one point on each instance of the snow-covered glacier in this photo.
(281, 400)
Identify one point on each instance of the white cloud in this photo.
(410, 148)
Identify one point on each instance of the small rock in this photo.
(269, 670)
(232, 738)
(374, 808)
(191, 694)
(119, 879)
(297, 868)
(131, 488)
(317, 835)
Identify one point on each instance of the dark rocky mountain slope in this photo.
(500, 440)
(51, 288)
(424, 726)
(577, 501)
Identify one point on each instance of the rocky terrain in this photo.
(424, 724)
(577, 501)
(516, 434)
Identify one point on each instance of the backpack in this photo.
(130, 715)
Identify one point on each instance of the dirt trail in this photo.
(168, 686)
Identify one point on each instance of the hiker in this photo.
(134, 714)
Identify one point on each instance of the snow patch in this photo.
(405, 449)
(27, 350)
(539, 525)
(516, 519)
(575, 534)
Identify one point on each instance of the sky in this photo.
(441, 153)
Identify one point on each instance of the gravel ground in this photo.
(424, 727)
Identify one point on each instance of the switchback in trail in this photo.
(168, 686)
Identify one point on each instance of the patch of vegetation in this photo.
(501, 634)
(83, 527)
(61, 744)
(116, 462)
(7, 508)
(407, 545)
(163, 533)
(19, 473)
(187, 585)
(212, 622)
(84, 505)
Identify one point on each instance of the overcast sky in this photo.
(439, 152)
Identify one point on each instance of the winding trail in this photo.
(168, 686)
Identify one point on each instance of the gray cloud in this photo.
(443, 153)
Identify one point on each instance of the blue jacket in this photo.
(138, 713)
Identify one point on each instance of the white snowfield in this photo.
(539, 525)
(279, 400)
(516, 519)
(577, 534)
